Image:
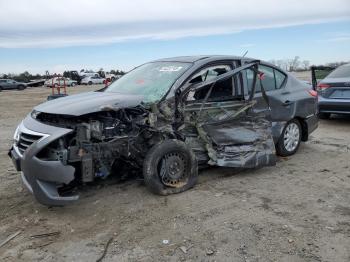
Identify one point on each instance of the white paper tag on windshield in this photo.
(170, 68)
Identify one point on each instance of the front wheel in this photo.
(21, 87)
(90, 83)
(290, 138)
(170, 167)
(73, 84)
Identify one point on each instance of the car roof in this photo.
(207, 58)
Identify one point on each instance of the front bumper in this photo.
(334, 106)
(41, 177)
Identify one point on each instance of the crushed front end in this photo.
(56, 153)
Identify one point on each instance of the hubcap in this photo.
(291, 137)
(172, 169)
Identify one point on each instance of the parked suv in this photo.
(162, 120)
(11, 84)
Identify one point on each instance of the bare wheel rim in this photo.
(291, 137)
(172, 169)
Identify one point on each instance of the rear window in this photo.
(341, 71)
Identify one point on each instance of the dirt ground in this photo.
(298, 210)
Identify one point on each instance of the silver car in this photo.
(89, 80)
(60, 81)
(334, 92)
(11, 84)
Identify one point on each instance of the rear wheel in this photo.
(324, 115)
(21, 87)
(90, 83)
(290, 138)
(170, 167)
(0, 88)
(73, 84)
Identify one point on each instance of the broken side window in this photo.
(221, 91)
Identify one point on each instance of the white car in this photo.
(89, 80)
(60, 81)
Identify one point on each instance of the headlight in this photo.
(16, 135)
(35, 114)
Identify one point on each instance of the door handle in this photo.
(287, 103)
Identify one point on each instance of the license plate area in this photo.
(340, 94)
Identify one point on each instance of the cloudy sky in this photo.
(39, 35)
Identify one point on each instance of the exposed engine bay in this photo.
(102, 143)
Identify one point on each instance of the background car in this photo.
(334, 92)
(60, 81)
(11, 84)
(89, 80)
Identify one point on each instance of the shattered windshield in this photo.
(151, 80)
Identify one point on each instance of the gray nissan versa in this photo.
(163, 120)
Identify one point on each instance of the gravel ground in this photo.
(298, 210)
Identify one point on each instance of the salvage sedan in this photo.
(162, 120)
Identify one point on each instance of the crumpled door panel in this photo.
(233, 134)
(246, 144)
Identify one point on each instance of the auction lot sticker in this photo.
(170, 68)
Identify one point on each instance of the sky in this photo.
(40, 35)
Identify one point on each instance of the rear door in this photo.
(11, 84)
(224, 123)
(279, 97)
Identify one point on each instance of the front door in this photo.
(224, 125)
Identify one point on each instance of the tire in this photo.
(20, 87)
(0, 88)
(324, 115)
(290, 139)
(73, 84)
(90, 83)
(166, 157)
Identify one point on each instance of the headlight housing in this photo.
(35, 114)
(16, 135)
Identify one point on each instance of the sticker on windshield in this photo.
(170, 68)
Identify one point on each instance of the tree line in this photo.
(27, 77)
(296, 64)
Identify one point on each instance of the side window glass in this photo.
(280, 77)
(249, 81)
(222, 90)
(268, 79)
(209, 73)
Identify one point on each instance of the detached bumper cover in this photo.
(43, 177)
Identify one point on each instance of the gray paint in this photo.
(225, 140)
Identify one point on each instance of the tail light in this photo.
(321, 87)
(313, 93)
